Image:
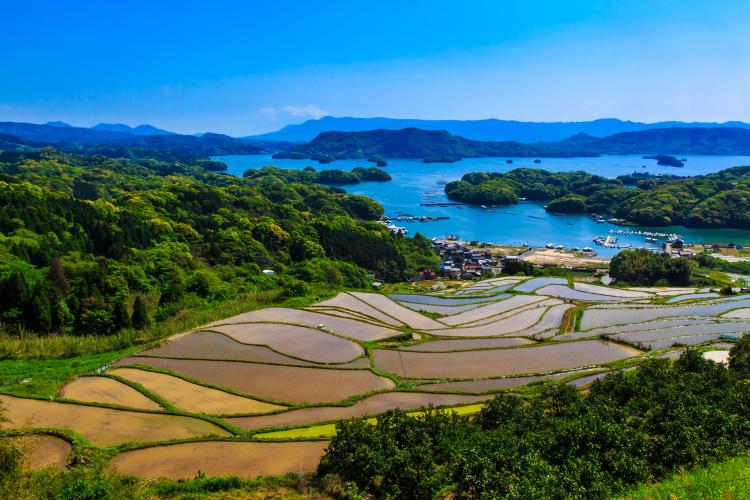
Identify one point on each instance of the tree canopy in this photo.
(721, 199)
(90, 244)
(634, 426)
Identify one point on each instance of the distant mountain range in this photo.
(480, 130)
(436, 145)
(117, 143)
(118, 127)
(429, 145)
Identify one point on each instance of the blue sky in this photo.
(247, 67)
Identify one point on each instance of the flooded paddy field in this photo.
(294, 341)
(215, 346)
(486, 363)
(298, 371)
(461, 345)
(443, 310)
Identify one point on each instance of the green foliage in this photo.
(533, 184)
(308, 174)
(644, 267)
(10, 465)
(725, 480)
(721, 199)
(632, 427)
(94, 245)
(739, 357)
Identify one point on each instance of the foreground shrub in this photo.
(633, 427)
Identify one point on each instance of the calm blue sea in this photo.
(415, 182)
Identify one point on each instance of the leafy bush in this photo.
(633, 427)
(644, 267)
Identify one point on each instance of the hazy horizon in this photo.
(246, 68)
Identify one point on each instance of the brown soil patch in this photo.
(296, 341)
(211, 345)
(194, 398)
(104, 426)
(468, 364)
(546, 257)
(368, 406)
(42, 451)
(341, 326)
(220, 458)
(280, 383)
(459, 345)
(106, 390)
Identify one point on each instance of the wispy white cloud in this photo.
(309, 111)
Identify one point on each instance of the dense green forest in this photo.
(721, 199)
(309, 174)
(92, 245)
(632, 427)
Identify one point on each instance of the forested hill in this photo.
(91, 245)
(420, 144)
(694, 140)
(721, 199)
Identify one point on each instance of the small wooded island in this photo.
(665, 160)
(721, 199)
(332, 176)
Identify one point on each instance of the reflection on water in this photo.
(415, 183)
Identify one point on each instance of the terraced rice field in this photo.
(284, 374)
(215, 346)
(443, 310)
(441, 301)
(490, 310)
(288, 384)
(107, 390)
(347, 303)
(536, 283)
(564, 292)
(599, 316)
(41, 451)
(462, 345)
(219, 458)
(494, 362)
(368, 406)
(194, 398)
(294, 341)
(411, 318)
(494, 384)
(345, 327)
(691, 296)
(104, 426)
